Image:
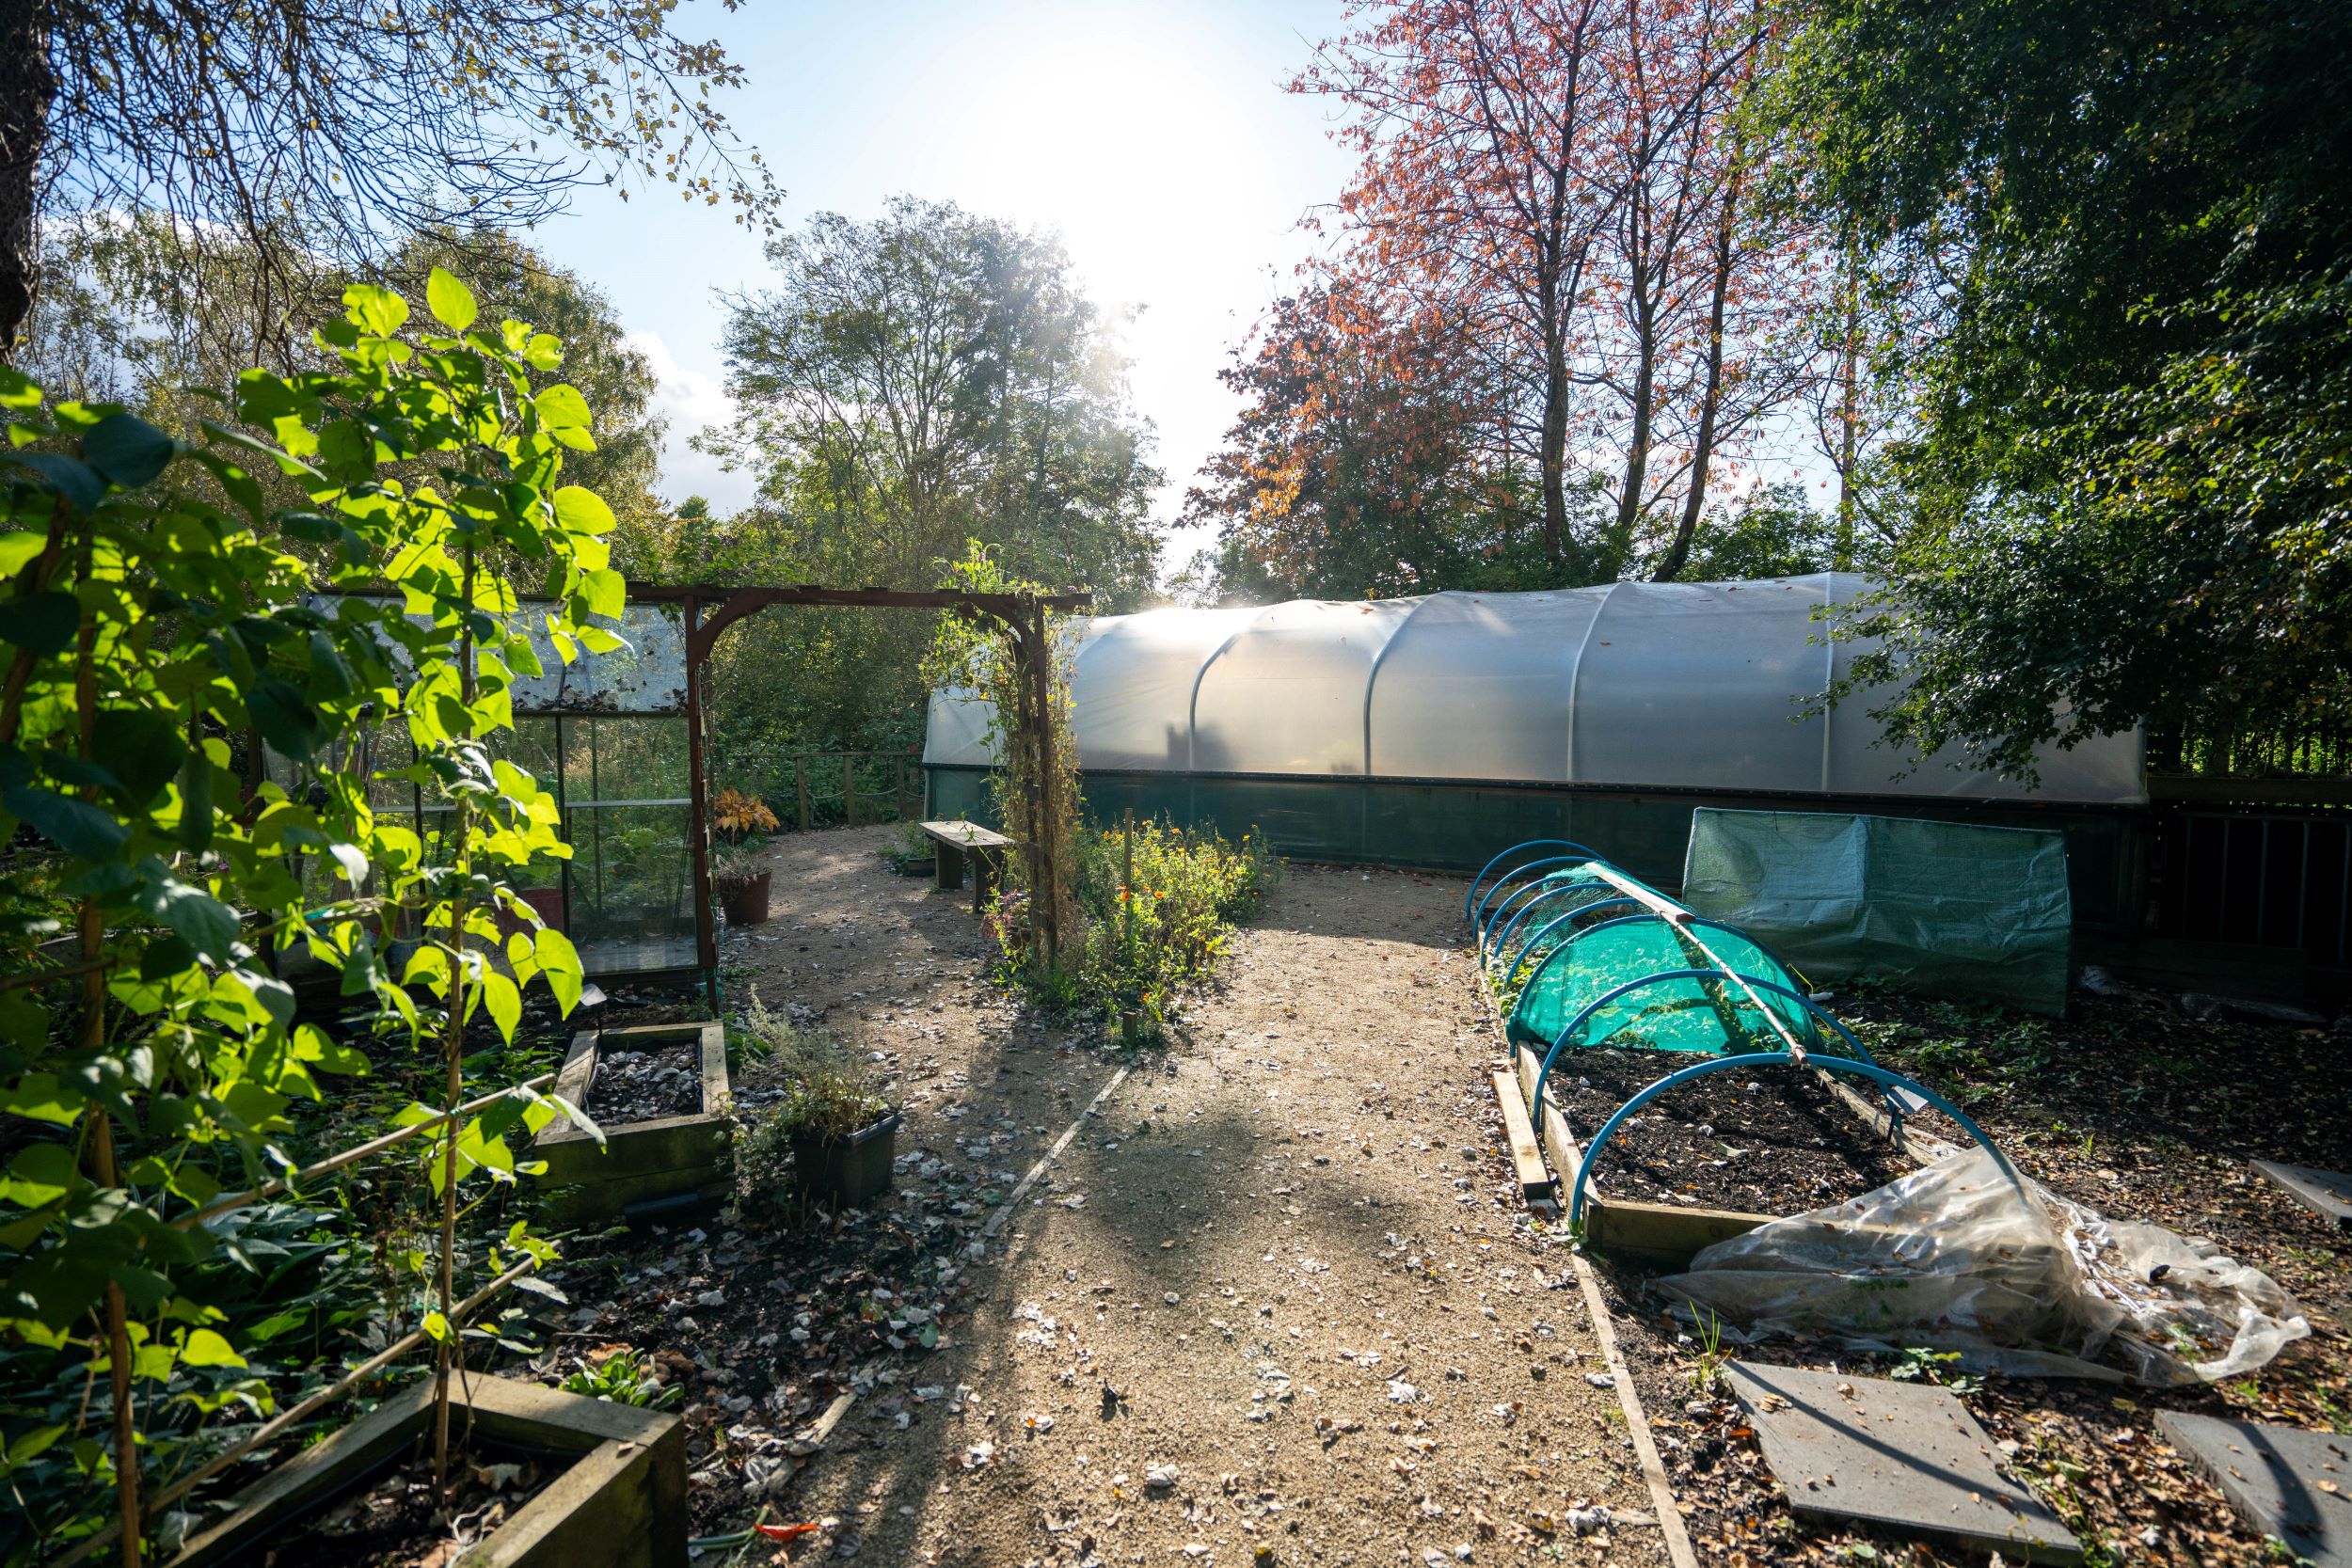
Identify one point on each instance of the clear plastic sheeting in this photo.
(1655, 686)
(1955, 1257)
(1953, 908)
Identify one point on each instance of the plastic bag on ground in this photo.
(1954, 1258)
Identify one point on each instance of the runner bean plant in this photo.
(341, 549)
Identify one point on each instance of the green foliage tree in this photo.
(2128, 469)
(906, 383)
(151, 631)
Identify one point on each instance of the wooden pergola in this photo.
(710, 609)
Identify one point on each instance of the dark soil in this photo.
(2141, 1111)
(642, 1085)
(1771, 1140)
(399, 1522)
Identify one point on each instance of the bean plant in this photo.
(341, 550)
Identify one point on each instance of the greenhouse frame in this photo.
(1423, 732)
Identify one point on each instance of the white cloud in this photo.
(694, 399)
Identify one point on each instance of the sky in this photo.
(1155, 138)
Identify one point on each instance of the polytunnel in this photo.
(1423, 731)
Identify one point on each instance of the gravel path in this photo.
(1277, 1303)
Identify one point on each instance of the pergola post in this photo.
(698, 813)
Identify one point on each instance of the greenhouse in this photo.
(1425, 731)
(607, 733)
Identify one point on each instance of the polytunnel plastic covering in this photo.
(1953, 908)
(1695, 686)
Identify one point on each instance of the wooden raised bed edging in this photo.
(646, 1168)
(621, 1504)
(1662, 1233)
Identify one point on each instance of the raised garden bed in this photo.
(671, 1158)
(618, 1500)
(1774, 1141)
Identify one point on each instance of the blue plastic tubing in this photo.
(1560, 1041)
(1834, 1063)
(1501, 946)
(1497, 900)
(1470, 897)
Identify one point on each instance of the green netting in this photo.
(1690, 1014)
(1953, 908)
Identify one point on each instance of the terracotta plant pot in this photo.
(850, 1170)
(744, 899)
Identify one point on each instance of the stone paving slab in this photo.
(2325, 1192)
(1906, 1457)
(2283, 1480)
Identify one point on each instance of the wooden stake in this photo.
(454, 1047)
(92, 1038)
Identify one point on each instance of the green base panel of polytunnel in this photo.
(1457, 827)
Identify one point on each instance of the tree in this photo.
(128, 316)
(2128, 471)
(1480, 204)
(906, 384)
(1354, 466)
(347, 123)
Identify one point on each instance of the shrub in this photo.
(1190, 888)
(829, 1092)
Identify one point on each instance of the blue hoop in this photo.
(1835, 1064)
(1481, 920)
(1560, 1041)
(1531, 844)
(1501, 944)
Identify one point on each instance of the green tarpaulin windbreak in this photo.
(1956, 908)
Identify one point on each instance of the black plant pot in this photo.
(847, 1171)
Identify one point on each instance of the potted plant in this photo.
(909, 852)
(736, 873)
(834, 1119)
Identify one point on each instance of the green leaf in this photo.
(128, 450)
(504, 1001)
(198, 918)
(77, 481)
(45, 623)
(140, 747)
(40, 1097)
(286, 719)
(561, 407)
(205, 1347)
(42, 1174)
(580, 509)
(450, 302)
(16, 391)
(18, 549)
(558, 960)
(374, 310)
(76, 827)
(607, 593)
(437, 1326)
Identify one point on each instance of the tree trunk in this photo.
(27, 88)
(1849, 408)
(1552, 458)
(1703, 447)
(1637, 449)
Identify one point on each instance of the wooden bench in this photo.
(960, 842)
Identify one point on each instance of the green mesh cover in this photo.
(1953, 908)
(1705, 1016)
